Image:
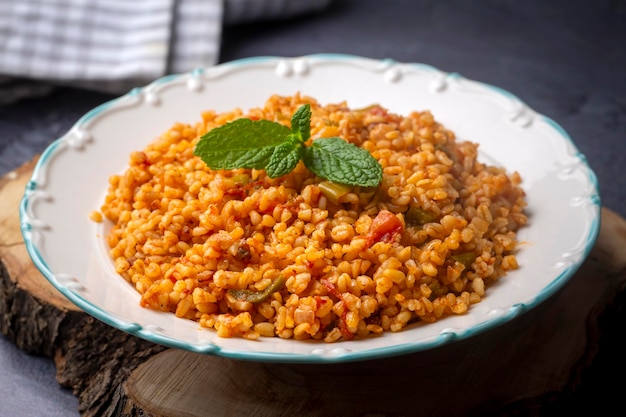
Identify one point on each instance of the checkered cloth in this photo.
(114, 45)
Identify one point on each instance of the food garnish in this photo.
(258, 296)
(263, 144)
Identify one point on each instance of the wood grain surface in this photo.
(520, 368)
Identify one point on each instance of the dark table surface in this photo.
(565, 59)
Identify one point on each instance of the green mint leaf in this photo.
(301, 123)
(263, 144)
(342, 162)
(242, 143)
(284, 159)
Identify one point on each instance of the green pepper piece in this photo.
(466, 258)
(334, 191)
(258, 296)
(436, 290)
(416, 216)
(241, 179)
(445, 150)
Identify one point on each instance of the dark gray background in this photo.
(565, 59)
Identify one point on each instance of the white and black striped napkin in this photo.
(114, 45)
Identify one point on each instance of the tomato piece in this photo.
(331, 288)
(384, 228)
(343, 325)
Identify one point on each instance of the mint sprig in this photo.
(263, 144)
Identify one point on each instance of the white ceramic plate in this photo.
(71, 178)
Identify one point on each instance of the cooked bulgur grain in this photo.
(299, 257)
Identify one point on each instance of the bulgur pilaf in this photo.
(300, 257)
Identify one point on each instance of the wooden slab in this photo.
(518, 368)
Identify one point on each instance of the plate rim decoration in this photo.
(57, 178)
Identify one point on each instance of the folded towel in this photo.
(114, 45)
